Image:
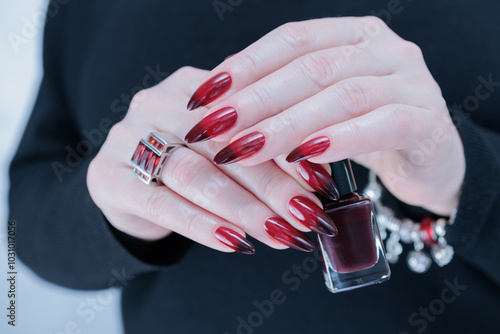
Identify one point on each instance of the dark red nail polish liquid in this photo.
(355, 257)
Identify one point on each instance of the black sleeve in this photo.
(475, 234)
(61, 234)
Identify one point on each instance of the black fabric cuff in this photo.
(480, 188)
(163, 252)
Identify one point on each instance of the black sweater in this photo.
(97, 54)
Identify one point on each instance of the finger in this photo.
(206, 149)
(160, 107)
(391, 127)
(159, 209)
(199, 181)
(279, 191)
(278, 48)
(283, 195)
(347, 99)
(160, 205)
(281, 133)
(302, 78)
(276, 189)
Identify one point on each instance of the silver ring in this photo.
(151, 154)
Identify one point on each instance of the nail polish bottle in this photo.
(355, 257)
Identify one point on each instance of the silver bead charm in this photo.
(442, 254)
(405, 230)
(395, 232)
(373, 190)
(418, 261)
(393, 248)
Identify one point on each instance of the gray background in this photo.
(42, 307)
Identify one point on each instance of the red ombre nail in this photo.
(309, 149)
(213, 125)
(234, 240)
(210, 90)
(241, 148)
(311, 215)
(280, 230)
(319, 179)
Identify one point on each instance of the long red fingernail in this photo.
(309, 149)
(319, 179)
(311, 215)
(280, 230)
(234, 240)
(210, 90)
(241, 148)
(212, 125)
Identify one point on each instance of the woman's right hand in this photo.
(212, 205)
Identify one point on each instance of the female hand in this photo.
(339, 88)
(215, 206)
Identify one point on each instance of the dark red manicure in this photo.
(234, 240)
(309, 149)
(280, 230)
(241, 148)
(312, 216)
(319, 179)
(212, 125)
(210, 90)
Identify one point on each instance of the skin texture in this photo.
(216, 206)
(355, 82)
(350, 80)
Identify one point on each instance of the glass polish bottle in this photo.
(355, 257)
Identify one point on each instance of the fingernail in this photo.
(210, 90)
(319, 179)
(309, 149)
(212, 125)
(280, 230)
(241, 148)
(311, 215)
(234, 240)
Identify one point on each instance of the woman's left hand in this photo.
(336, 88)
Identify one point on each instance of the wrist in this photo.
(454, 174)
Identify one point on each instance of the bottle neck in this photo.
(343, 177)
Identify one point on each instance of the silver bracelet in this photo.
(428, 233)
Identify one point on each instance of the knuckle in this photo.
(356, 136)
(189, 218)
(260, 97)
(284, 121)
(268, 183)
(318, 68)
(247, 61)
(245, 212)
(374, 19)
(403, 120)
(182, 168)
(295, 34)
(419, 124)
(183, 71)
(182, 74)
(352, 97)
(118, 131)
(155, 205)
(139, 99)
(410, 50)
(210, 148)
